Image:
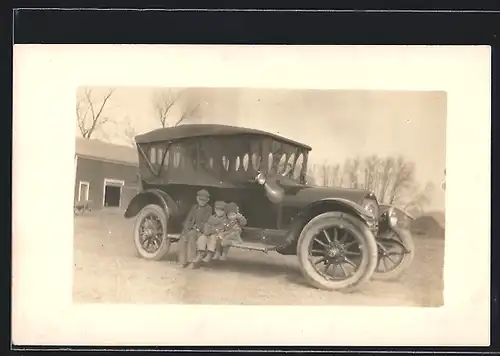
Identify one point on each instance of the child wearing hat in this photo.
(193, 227)
(232, 229)
(207, 242)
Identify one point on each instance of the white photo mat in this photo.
(45, 81)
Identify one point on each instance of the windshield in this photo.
(224, 158)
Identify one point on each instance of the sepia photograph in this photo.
(299, 195)
(259, 196)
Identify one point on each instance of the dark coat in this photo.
(215, 225)
(197, 217)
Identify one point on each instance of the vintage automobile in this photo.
(340, 236)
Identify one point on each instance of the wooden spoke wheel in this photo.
(396, 251)
(150, 233)
(337, 251)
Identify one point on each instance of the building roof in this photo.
(199, 130)
(105, 151)
(427, 224)
(439, 216)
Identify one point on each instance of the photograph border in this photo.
(19, 123)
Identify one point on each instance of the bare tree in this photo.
(312, 174)
(165, 100)
(386, 172)
(371, 163)
(336, 175)
(391, 179)
(325, 172)
(416, 205)
(346, 173)
(355, 172)
(191, 109)
(403, 178)
(352, 172)
(89, 112)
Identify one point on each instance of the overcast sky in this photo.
(337, 124)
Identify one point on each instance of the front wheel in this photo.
(396, 251)
(337, 252)
(150, 233)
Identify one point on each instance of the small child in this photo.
(193, 227)
(207, 242)
(232, 229)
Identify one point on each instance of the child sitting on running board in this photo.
(207, 242)
(232, 229)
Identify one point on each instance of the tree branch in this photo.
(390, 179)
(163, 101)
(97, 119)
(189, 111)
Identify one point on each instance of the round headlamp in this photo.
(392, 217)
(261, 178)
(371, 207)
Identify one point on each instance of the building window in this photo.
(112, 192)
(83, 191)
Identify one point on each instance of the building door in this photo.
(83, 191)
(112, 192)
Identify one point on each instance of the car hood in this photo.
(300, 195)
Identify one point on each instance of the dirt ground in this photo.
(107, 270)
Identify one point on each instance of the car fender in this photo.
(319, 207)
(339, 204)
(151, 196)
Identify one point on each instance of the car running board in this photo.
(253, 246)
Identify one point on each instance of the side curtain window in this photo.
(159, 153)
(177, 156)
(297, 171)
(152, 154)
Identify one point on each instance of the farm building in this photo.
(106, 175)
(432, 224)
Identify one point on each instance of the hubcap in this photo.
(334, 250)
(338, 248)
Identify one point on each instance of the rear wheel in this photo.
(337, 252)
(150, 233)
(396, 251)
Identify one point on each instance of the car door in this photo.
(259, 211)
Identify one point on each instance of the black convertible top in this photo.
(199, 130)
